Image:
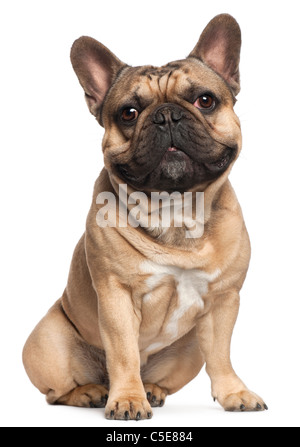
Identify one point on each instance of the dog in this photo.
(145, 306)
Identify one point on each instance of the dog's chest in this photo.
(171, 304)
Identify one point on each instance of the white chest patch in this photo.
(191, 285)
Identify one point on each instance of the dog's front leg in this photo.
(214, 332)
(119, 330)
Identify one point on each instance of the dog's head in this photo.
(168, 128)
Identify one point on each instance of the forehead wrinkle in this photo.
(163, 82)
(169, 76)
(158, 83)
(154, 86)
(171, 83)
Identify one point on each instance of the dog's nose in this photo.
(167, 114)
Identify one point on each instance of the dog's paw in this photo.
(131, 407)
(156, 396)
(242, 401)
(91, 395)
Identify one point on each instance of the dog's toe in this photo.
(243, 401)
(156, 396)
(128, 408)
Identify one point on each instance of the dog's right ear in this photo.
(96, 68)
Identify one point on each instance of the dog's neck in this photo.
(138, 209)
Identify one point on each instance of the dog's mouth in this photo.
(216, 166)
(178, 170)
(173, 149)
(221, 163)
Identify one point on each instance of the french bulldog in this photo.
(145, 306)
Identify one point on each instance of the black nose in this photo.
(167, 114)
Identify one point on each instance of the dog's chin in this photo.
(177, 171)
(175, 165)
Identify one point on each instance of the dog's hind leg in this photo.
(62, 365)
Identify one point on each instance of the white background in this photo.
(51, 155)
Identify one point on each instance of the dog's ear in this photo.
(219, 47)
(96, 68)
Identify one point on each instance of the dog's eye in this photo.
(205, 102)
(129, 114)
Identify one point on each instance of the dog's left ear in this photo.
(219, 47)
